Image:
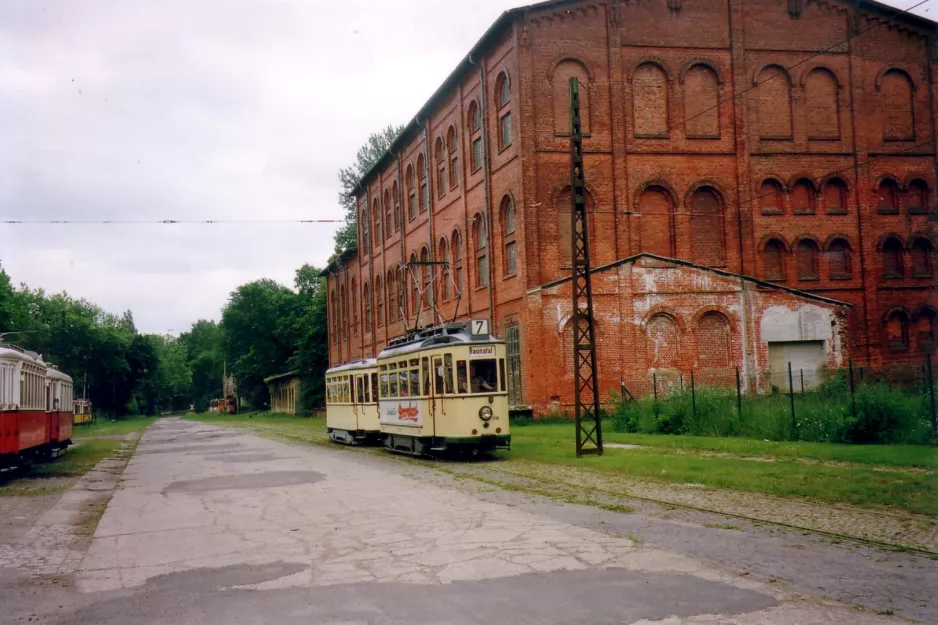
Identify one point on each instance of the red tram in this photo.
(35, 408)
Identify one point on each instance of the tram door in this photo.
(436, 395)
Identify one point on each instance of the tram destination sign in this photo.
(482, 351)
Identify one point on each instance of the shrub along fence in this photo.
(896, 404)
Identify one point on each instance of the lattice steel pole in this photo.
(589, 434)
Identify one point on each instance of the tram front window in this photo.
(483, 375)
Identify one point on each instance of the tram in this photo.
(81, 409)
(443, 389)
(352, 402)
(59, 400)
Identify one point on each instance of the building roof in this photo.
(502, 24)
(676, 261)
(280, 376)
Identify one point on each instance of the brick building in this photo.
(792, 142)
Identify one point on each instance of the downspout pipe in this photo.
(486, 185)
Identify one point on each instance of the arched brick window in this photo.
(396, 199)
(774, 103)
(806, 256)
(480, 244)
(888, 197)
(334, 318)
(922, 253)
(702, 102)
(365, 244)
(411, 193)
(713, 340)
(839, 256)
(354, 291)
(650, 101)
(820, 93)
(802, 198)
(564, 71)
(456, 246)
(412, 279)
(343, 313)
(897, 330)
(392, 297)
(440, 155)
(897, 106)
(706, 225)
(475, 136)
(916, 198)
(664, 342)
(366, 298)
(773, 260)
(926, 329)
(892, 258)
(424, 183)
(771, 198)
(656, 222)
(387, 214)
(503, 106)
(379, 300)
(445, 274)
(507, 219)
(835, 197)
(376, 220)
(452, 146)
(427, 271)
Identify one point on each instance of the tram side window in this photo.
(501, 375)
(425, 374)
(374, 386)
(392, 386)
(384, 381)
(414, 377)
(483, 375)
(438, 376)
(405, 384)
(360, 381)
(448, 372)
(462, 382)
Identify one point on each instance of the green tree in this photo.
(349, 177)
(205, 355)
(312, 355)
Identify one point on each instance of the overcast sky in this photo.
(200, 109)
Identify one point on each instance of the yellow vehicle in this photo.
(352, 402)
(81, 412)
(443, 389)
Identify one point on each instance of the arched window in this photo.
(650, 101)
(343, 310)
(354, 308)
(922, 254)
(392, 299)
(925, 329)
(334, 318)
(366, 235)
(412, 279)
(656, 222)
(427, 275)
(424, 183)
(916, 198)
(507, 214)
(820, 94)
(440, 156)
(702, 102)
(806, 255)
(387, 214)
(771, 198)
(773, 260)
(366, 298)
(446, 270)
(396, 199)
(564, 71)
(713, 340)
(892, 258)
(379, 300)
(456, 246)
(480, 243)
(898, 108)
(475, 136)
(839, 257)
(411, 193)
(888, 196)
(802, 198)
(376, 220)
(502, 105)
(835, 197)
(897, 330)
(664, 342)
(452, 145)
(706, 222)
(774, 103)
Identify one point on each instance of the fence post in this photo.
(853, 391)
(802, 381)
(739, 396)
(682, 382)
(931, 394)
(693, 396)
(654, 388)
(791, 400)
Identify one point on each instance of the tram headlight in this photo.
(485, 413)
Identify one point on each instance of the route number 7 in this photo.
(480, 327)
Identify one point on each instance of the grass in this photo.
(111, 428)
(300, 429)
(76, 462)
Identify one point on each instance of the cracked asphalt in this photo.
(208, 525)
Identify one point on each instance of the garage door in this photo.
(805, 356)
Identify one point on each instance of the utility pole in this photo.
(589, 434)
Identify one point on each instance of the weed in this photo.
(723, 526)
(616, 507)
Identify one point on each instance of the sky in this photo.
(201, 110)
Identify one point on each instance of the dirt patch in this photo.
(268, 479)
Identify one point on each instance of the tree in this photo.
(204, 344)
(312, 355)
(349, 177)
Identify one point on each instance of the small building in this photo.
(284, 392)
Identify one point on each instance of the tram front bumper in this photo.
(483, 442)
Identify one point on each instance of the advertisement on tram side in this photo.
(396, 412)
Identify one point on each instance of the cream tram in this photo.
(443, 389)
(352, 402)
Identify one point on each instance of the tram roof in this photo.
(53, 372)
(368, 363)
(12, 352)
(435, 336)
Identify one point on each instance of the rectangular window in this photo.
(483, 376)
(501, 374)
(374, 387)
(392, 382)
(352, 388)
(510, 262)
(414, 377)
(441, 181)
(513, 350)
(425, 376)
(504, 134)
(462, 381)
(476, 163)
(482, 273)
(454, 171)
(425, 196)
(448, 373)
(437, 376)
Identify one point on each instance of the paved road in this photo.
(215, 526)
